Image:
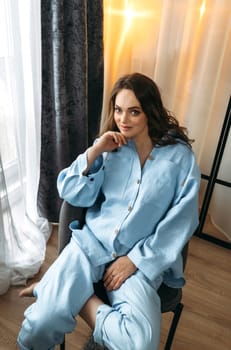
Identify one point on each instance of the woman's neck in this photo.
(144, 148)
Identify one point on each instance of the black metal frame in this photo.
(212, 180)
(177, 313)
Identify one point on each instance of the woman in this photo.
(140, 184)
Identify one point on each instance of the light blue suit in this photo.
(148, 214)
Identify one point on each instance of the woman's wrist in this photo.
(93, 152)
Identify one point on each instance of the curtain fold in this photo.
(72, 88)
(23, 233)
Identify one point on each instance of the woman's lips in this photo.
(125, 128)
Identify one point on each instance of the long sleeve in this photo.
(78, 189)
(160, 252)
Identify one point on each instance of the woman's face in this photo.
(129, 116)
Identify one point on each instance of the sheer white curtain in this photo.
(23, 234)
(185, 46)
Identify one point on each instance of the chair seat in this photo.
(170, 297)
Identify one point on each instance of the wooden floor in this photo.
(206, 319)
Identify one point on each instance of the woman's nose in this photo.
(124, 117)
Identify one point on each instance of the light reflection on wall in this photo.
(202, 8)
(129, 28)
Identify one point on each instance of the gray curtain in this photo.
(72, 89)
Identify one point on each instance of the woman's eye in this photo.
(117, 110)
(135, 112)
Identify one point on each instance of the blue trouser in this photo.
(132, 322)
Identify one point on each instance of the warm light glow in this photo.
(128, 15)
(127, 22)
(129, 12)
(202, 8)
(129, 34)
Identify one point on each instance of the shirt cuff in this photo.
(95, 167)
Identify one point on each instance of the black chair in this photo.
(170, 297)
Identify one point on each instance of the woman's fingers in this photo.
(118, 272)
(113, 282)
(119, 138)
(28, 291)
(113, 139)
(110, 278)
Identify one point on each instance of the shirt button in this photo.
(114, 255)
(138, 181)
(116, 231)
(150, 157)
(129, 208)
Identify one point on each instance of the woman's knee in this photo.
(42, 328)
(144, 335)
(131, 332)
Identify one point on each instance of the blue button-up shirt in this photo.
(147, 213)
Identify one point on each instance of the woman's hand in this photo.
(109, 141)
(28, 291)
(118, 272)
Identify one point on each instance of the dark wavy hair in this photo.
(164, 129)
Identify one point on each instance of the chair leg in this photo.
(62, 346)
(176, 317)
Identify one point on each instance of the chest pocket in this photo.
(159, 182)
